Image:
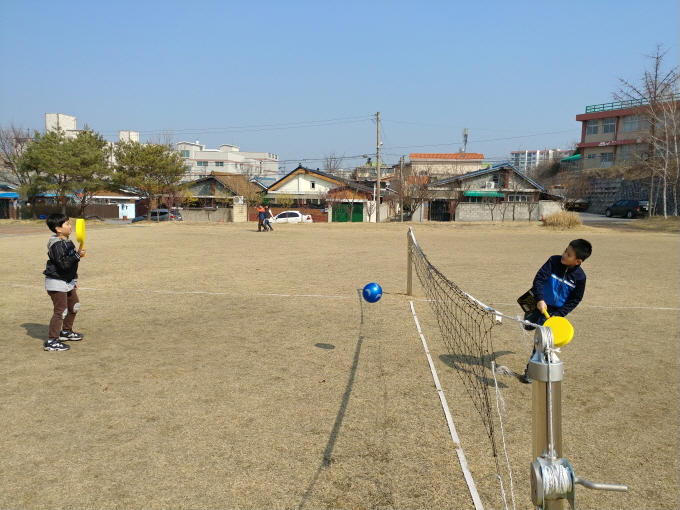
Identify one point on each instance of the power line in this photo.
(262, 127)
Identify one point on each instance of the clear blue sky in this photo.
(304, 78)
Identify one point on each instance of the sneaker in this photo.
(525, 378)
(66, 336)
(56, 345)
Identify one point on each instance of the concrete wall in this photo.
(240, 213)
(481, 212)
(220, 214)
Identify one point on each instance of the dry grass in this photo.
(225, 368)
(658, 223)
(563, 220)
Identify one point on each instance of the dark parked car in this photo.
(578, 205)
(628, 208)
(161, 215)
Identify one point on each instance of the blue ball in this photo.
(372, 292)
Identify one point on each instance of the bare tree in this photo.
(250, 192)
(657, 88)
(491, 204)
(332, 163)
(13, 141)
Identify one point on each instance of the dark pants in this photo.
(260, 224)
(64, 312)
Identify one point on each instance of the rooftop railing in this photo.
(619, 105)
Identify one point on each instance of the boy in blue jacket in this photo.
(559, 285)
(61, 283)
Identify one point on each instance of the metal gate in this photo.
(439, 210)
(343, 213)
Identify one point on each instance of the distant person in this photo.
(558, 286)
(61, 283)
(268, 215)
(260, 218)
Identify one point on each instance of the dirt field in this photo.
(226, 368)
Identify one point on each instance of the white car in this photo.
(292, 217)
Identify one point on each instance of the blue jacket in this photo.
(561, 287)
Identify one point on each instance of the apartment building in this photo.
(441, 166)
(201, 161)
(613, 133)
(525, 161)
(69, 125)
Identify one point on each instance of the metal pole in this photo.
(401, 188)
(377, 180)
(546, 408)
(409, 265)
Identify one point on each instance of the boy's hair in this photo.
(55, 220)
(582, 248)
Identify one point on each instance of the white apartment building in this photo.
(69, 125)
(526, 160)
(228, 159)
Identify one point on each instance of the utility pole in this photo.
(401, 188)
(377, 180)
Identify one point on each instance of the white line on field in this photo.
(197, 292)
(611, 307)
(449, 420)
(385, 295)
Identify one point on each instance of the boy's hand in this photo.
(81, 250)
(542, 307)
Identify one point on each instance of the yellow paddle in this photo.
(562, 329)
(80, 232)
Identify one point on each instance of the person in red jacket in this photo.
(260, 219)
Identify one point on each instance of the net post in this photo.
(409, 263)
(546, 405)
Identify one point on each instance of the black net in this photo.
(465, 325)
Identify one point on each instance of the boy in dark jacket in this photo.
(559, 285)
(61, 283)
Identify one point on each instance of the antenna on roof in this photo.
(465, 138)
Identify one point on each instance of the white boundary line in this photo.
(449, 420)
(197, 292)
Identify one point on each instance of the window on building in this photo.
(609, 125)
(201, 163)
(496, 178)
(629, 151)
(635, 123)
(518, 198)
(219, 163)
(313, 185)
(591, 127)
(185, 154)
(476, 199)
(606, 159)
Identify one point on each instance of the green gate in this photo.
(341, 212)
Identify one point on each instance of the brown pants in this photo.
(260, 225)
(65, 310)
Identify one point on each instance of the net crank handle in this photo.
(553, 479)
(601, 486)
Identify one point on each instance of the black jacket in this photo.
(561, 287)
(63, 260)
